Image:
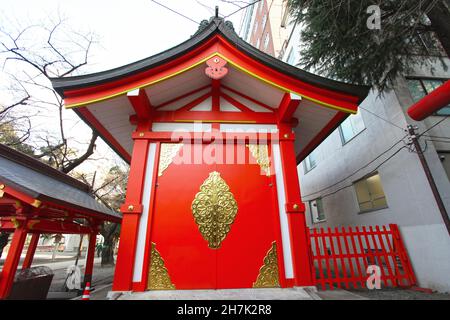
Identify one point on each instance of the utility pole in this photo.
(412, 134)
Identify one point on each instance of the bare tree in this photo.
(110, 192)
(37, 53)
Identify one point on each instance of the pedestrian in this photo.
(99, 249)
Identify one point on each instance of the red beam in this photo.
(193, 103)
(287, 107)
(181, 96)
(106, 135)
(12, 261)
(90, 259)
(123, 275)
(237, 104)
(31, 250)
(20, 195)
(47, 226)
(141, 104)
(249, 98)
(211, 116)
(205, 137)
(215, 84)
(431, 103)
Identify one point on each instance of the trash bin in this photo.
(31, 284)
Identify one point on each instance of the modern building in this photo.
(263, 26)
(365, 173)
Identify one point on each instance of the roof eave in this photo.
(215, 26)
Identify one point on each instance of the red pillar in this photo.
(123, 275)
(88, 268)
(12, 261)
(295, 210)
(31, 250)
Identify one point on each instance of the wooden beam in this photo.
(12, 261)
(140, 103)
(31, 250)
(215, 84)
(287, 107)
(237, 104)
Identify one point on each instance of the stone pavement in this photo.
(298, 293)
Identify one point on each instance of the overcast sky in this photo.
(127, 31)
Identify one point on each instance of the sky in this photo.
(127, 31)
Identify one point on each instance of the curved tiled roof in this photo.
(42, 182)
(215, 26)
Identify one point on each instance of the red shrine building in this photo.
(213, 130)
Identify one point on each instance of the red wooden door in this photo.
(242, 253)
(188, 257)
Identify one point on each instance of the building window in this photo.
(258, 42)
(310, 161)
(266, 41)
(316, 209)
(264, 21)
(445, 159)
(255, 28)
(291, 57)
(247, 22)
(370, 194)
(351, 127)
(419, 88)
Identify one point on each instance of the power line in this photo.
(365, 166)
(434, 125)
(376, 115)
(176, 12)
(441, 141)
(437, 137)
(369, 173)
(250, 4)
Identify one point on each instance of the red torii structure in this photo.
(431, 103)
(37, 199)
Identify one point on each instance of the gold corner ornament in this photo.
(214, 209)
(158, 276)
(167, 153)
(261, 153)
(15, 222)
(36, 203)
(268, 274)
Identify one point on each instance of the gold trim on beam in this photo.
(158, 276)
(15, 222)
(268, 276)
(36, 203)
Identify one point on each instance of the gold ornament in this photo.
(167, 153)
(268, 274)
(261, 154)
(158, 277)
(214, 209)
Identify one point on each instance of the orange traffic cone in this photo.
(86, 292)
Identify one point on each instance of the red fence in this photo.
(341, 256)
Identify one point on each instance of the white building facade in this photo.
(365, 173)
